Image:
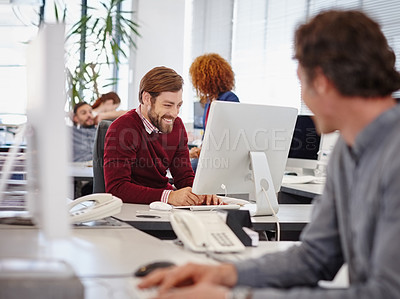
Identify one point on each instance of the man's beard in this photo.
(87, 124)
(158, 122)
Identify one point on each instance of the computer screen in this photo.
(245, 149)
(305, 144)
(47, 142)
(198, 113)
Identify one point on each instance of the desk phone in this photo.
(204, 231)
(94, 207)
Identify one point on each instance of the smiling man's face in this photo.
(84, 116)
(164, 110)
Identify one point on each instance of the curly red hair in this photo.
(211, 74)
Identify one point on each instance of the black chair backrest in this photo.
(98, 157)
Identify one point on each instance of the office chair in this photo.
(98, 157)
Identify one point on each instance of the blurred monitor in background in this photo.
(305, 146)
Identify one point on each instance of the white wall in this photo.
(162, 42)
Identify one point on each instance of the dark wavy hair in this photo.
(158, 80)
(211, 75)
(79, 105)
(351, 51)
(76, 108)
(105, 97)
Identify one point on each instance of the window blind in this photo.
(262, 41)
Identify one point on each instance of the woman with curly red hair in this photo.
(213, 79)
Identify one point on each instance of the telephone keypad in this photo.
(222, 239)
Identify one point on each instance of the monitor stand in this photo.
(262, 179)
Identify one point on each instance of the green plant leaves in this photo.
(104, 31)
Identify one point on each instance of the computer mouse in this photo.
(161, 206)
(291, 173)
(147, 269)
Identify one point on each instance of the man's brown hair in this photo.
(158, 80)
(351, 51)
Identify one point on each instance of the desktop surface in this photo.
(291, 217)
(81, 170)
(98, 255)
(306, 190)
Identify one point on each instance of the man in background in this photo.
(347, 73)
(83, 132)
(144, 143)
(83, 136)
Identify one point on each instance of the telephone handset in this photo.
(94, 207)
(205, 231)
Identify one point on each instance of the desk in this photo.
(299, 193)
(292, 217)
(81, 171)
(97, 252)
(106, 252)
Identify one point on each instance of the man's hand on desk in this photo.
(192, 281)
(184, 197)
(210, 199)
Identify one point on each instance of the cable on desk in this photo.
(278, 227)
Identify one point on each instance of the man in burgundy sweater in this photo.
(143, 143)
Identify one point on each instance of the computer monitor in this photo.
(198, 112)
(305, 145)
(244, 150)
(47, 139)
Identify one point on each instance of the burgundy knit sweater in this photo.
(136, 162)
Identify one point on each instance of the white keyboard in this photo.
(233, 201)
(209, 207)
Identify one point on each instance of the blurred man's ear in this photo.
(321, 83)
(75, 119)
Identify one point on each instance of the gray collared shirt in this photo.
(83, 143)
(356, 221)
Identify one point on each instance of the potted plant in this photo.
(108, 34)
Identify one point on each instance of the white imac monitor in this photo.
(305, 146)
(244, 151)
(47, 142)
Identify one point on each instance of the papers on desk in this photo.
(302, 179)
